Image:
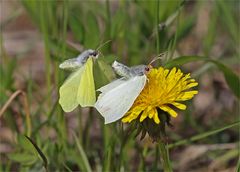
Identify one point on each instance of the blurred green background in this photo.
(38, 35)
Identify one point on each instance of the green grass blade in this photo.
(82, 154)
(77, 28)
(107, 162)
(25, 159)
(92, 33)
(202, 135)
(227, 15)
(45, 161)
(157, 23)
(238, 165)
(107, 147)
(45, 33)
(172, 17)
(232, 79)
(183, 60)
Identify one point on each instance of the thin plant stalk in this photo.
(44, 30)
(86, 130)
(109, 19)
(141, 166)
(156, 158)
(62, 122)
(165, 157)
(158, 39)
(26, 109)
(80, 126)
(107, 148)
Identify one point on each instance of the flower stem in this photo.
(165, 157)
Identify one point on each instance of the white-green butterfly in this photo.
(79, 88)
(117, 97)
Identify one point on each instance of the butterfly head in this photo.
(93, 53)
(147, 69)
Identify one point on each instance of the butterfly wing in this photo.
(86, 95)
(113, 104)
(106, 70)
(67, 92)
(111, 85)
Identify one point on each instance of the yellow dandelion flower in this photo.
(164, 90)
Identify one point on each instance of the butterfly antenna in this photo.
(101, 45)
(100, 53)
(157, 58)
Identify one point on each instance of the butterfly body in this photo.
(128, 72)
(138, 70)
(75, 63)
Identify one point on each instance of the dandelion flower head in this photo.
(165, 90)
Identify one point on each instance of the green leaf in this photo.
(225, 9)
(202, 135)
(183, 60)
(232, 79)
(23, 158)
(26, 145)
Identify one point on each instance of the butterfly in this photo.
(79, 88)
(117, 97)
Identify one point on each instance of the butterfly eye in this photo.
(147, 69)
(94, 53)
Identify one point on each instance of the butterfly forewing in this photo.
(113, 104)
(86, 95)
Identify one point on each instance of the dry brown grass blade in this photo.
(191, 153)
(25, 105)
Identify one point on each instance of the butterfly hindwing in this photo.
(67, 92)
